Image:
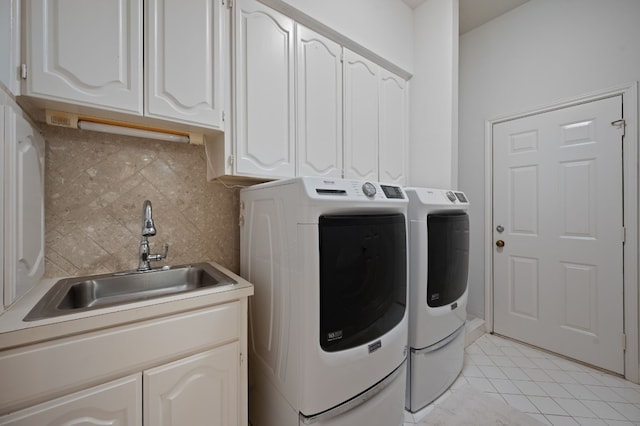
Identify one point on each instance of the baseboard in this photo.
(474, 328)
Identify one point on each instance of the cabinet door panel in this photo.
(86, 52)
(202, 389)
(265, 143)
(117, 403)
(393, 128)
(10, 44)
(183, 47)
(360, 118)
(319, 105)
(24, 220)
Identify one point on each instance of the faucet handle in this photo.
(156, 257)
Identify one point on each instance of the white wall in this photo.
(382, 26)
(434, 96)
(539, 53)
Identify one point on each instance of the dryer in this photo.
(328, 319)
(438, 273)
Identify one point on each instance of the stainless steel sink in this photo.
(80, 294)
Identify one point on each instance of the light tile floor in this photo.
(551, 389)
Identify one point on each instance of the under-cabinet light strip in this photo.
(131, 131)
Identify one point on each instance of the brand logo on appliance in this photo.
(435, 296)
(375, 346)
(334, 335)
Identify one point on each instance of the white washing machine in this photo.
(438, 272)
(328, 319)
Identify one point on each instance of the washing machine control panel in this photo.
(353, 190)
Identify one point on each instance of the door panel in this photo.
(264, 59)
(86, 52)
(319, 105)
(360, 117)
(557, 185)
(180, 83)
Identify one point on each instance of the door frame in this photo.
(630, 184)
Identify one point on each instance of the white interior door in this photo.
(557, 206)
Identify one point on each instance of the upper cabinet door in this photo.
(360, 117)
(393, 128)
(319, 105)
(264, 91)
(24, 206)
(183, 71)
(10, 44)
(86, 52)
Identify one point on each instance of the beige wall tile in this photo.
(95, 186)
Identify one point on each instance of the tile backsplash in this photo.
(95, 185)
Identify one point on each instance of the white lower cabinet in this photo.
(183, 369)
(114, 403)
(198, 390)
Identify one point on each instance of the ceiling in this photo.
(474, 13)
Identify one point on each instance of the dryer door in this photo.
(447, 257)
(363, 278)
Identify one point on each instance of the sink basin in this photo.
(80, 294)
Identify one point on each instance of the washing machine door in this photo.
(363, 278)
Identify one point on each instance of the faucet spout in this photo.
(148, 230)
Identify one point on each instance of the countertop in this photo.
(15, 332)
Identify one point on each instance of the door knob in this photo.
(500, 243)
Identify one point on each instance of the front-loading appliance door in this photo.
(363, 278)
(447, 257)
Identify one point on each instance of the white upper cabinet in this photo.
(393, 141)
(89, 53)
(85, 52)
(264, 91)
(23, 205)
(183, 48)
(306, 106)
(360, 117)
(375, 122)
(319, 105)
(10, 45)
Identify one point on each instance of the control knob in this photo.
(451, 196)
(369, 189)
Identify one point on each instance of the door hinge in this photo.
(228, 3)
(23, 71)
(241, 358)
(223, 116)
(624, 341)
(624, 234)
(620, 124)
(230, 161)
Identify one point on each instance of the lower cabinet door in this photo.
(116, 403)
(197, 390)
